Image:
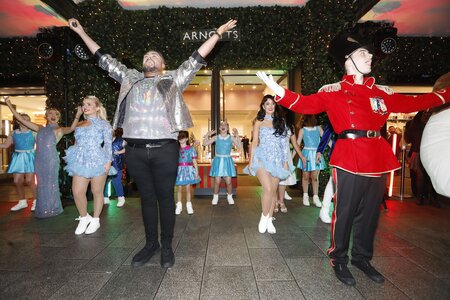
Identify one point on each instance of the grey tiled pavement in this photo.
(220, 255)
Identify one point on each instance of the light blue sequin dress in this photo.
(223, 164)
(92, 149)
(186, 170)
(311, 140)
(46, 165)
(22, 160)
(271, 154)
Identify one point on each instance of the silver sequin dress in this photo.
(46, 166)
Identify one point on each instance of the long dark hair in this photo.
(288, 116)
(183, 134)
(278, 121)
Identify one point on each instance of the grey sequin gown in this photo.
(46, 165)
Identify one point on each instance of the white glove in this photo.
(271, 84)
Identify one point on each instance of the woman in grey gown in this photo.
(46, 163)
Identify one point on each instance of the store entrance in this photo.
(241, 92)
(28, 100)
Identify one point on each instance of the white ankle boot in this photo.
(316, 201)
(262, 227)
(120, 201)
(105, 200)
(179, 208)
(93, 226)
(286, 196)
(215, 199)
(33, 206)
(20, 205)
(325, 214)
(270, 228)
(83, 224)
(189, 208)
(306, 199)
(230, 199)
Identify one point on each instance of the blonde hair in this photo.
(102, 110)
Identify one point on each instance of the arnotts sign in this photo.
(204, 34)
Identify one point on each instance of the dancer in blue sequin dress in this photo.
(187, 172)
(118, 163)
(22, 162)
(89, 161)
(269, 159)
(46, 162)
(310, 133)
(223, 165)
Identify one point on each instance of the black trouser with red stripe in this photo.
(357, 205)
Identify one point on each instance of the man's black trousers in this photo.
(357, 205)
(155, 170)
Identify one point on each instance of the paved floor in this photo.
(220, 255)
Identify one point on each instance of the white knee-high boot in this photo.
(326, 202)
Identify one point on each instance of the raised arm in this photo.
(115, 68)
(271, 84)
(209, 44)
(75, 25)
(67, 130)
(207, 139)
(188, 69)
(29, 124)
(235, 138)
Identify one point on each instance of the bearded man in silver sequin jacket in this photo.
(151, 111)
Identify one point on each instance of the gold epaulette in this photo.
(334, 87)
(385, 89)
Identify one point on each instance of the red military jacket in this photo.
(360, 106)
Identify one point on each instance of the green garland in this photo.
(271, 37)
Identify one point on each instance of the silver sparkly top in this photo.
(145, 113)
(144, 105)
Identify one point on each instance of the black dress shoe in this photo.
(167, 257)
(343, 274)
(144, 255)
(370, 271)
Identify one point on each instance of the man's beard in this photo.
(151, 69)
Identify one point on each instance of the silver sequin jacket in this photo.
(171, 85)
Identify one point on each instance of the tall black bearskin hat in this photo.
(343, 45)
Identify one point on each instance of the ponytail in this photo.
(102, 112)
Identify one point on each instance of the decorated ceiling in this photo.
(411, 17)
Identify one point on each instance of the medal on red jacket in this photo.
(378, 106)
